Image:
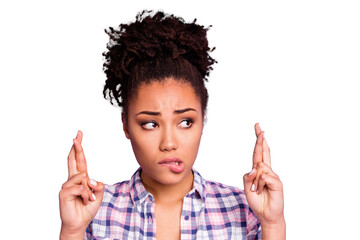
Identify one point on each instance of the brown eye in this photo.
(186, 123)
(149, 125)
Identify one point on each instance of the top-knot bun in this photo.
(155, 47)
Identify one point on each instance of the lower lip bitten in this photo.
(176, 167)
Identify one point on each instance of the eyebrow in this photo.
(158, 113)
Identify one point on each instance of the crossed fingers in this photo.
(262, 164)
(76, 158)
(78, 179)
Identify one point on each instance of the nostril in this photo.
(168, 141)
(168, 146)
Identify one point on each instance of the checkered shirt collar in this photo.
(139, 194)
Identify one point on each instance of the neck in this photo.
(168, 192)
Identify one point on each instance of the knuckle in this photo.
(277, 176)
(89, 193)
(263, 177)
(280, 183)
(260, 165)
(81, 188)
(85, 194)
(244, 176)
(83, 175)
(100, 187)
(61, 195)
(84, 182)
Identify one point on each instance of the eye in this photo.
(186, 123)
(149, 125)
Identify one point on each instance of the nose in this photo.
(168, 140)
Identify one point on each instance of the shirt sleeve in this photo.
(253, 226)
(88, 233)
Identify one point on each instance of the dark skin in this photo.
(167, 132)
(78, 204)
(159, 126)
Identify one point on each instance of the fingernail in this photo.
(253, 187)
(251, 172)
(93, 196)
(93, 182)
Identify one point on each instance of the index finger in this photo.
(81, 165)
(72, 163)
(266, 153)
(257, 129)
(258, 150)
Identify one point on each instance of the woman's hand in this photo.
(80, 197)
(264, 191)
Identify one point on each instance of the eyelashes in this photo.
(149, 125)
(188, 122)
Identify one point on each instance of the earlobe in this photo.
(125, 126)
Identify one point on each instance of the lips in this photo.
(173, 163)
(170, 160)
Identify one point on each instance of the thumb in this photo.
(248, 180)
(98, 188)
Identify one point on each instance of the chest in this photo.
(149, 221)
(168, 223)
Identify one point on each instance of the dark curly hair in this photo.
(154, 48)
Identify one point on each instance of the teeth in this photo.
(177, 163)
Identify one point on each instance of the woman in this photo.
(156, 68)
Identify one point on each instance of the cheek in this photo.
(143, 146)
(192, 143)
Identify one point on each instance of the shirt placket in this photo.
(190, 214)
(150, 223)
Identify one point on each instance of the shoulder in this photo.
(116, 197)
(117, 187)
(231, 202)
(227, 200)
(220, 191)
(116, 191)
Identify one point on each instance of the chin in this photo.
(168, 177)
(172, 179)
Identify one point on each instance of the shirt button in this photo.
(186, 217)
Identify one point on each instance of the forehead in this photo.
(160, 95)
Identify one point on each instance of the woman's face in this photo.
(165, 125)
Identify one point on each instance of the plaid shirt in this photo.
(210, 211)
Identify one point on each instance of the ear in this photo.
(125, 125)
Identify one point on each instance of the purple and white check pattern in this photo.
(210, 210)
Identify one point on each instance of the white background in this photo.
(292, 66)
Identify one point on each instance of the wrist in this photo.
(67, 234)
(273, 230)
